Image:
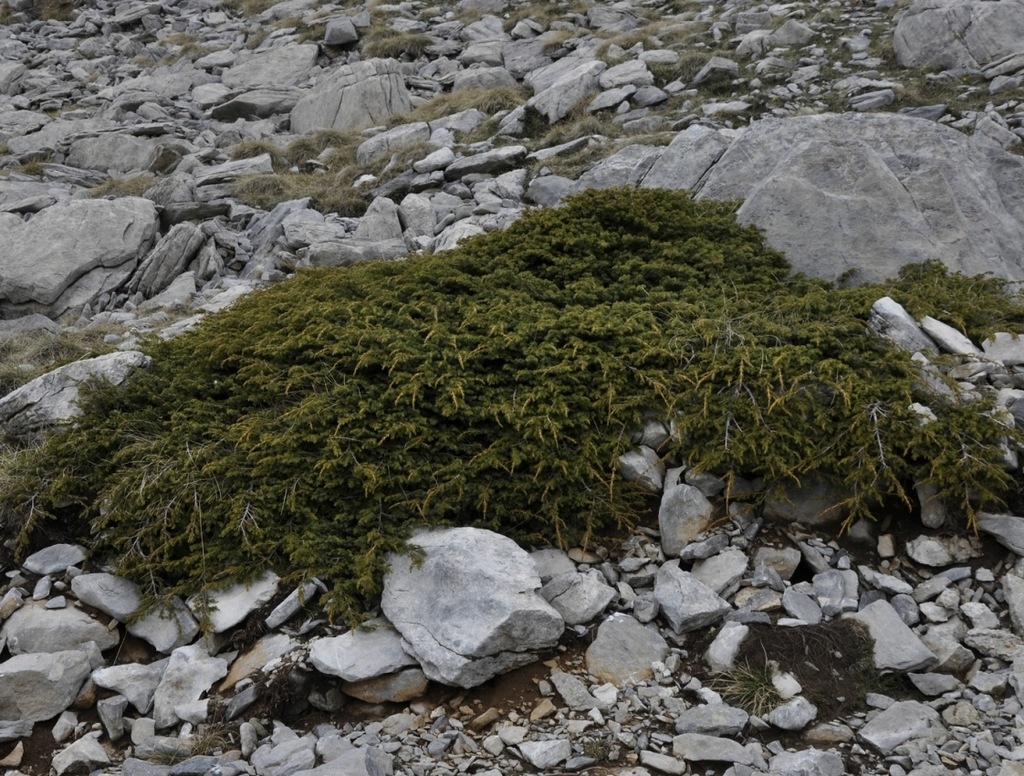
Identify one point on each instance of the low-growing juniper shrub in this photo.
(314, 425)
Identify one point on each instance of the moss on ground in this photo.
(313, 425)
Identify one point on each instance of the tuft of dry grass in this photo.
(382, 40)
(113, 188)
(329, 193)
(250, 7)
(487, 101)
(24, 357)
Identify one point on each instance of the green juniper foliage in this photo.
(312, 426)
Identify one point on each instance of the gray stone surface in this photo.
(578, 597)
(134, 681)
(897, 647)
(190, 673)
(1008, 530)
(469, 608)
(795, 714)
(712, 719)
(41, 258)
(623, 650)
(958, 35)
(901, 722)
(370, 650)
(34, 628)
(889, 319)
(696, 747)
(354, 96)
(50, 400)
(54, 559)
(165, 628)
(227, 607)
(889, 211)
(684, 514)
(686, 603)
(38, 686)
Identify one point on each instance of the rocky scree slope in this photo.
(162, 159)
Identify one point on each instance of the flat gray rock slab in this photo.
(39, 686)
(808, 762)
(353, 96)
(722, 572)
(398, 687)
(41, 258)
(34, 628)
(897, 647)
(51, 399)
(623, 650)
(901, 722)
(468, 607)
(228, 607)
(959, 202)
(958, 35)
(712, 719)
(686, 602)
(54, 559)
(546, 754)
(1008, 530)
(372, 649)
(694, 747)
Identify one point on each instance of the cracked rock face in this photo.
(470, 609)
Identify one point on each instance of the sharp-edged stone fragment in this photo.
(134, 681)
(190, 673)
(1008, 530)
(712, 719)
(683, 515)
(164, 628)
(896, 646)
(623, 650)
(578, 596)
(695, 747)
(901, 722)
(372, 649)
(468, 608)
(83, 755)
(686, 602)
(546, 754)
(51, 399)
(227, 607)
(38, 686)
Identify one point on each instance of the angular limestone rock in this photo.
(469, 607)
(39, 685)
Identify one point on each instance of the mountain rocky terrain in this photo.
(160, 159)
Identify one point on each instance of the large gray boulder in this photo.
(468, 606)
(355, 96)
(863, 192)
(51, 399)
(40, 685)
(34, 628)
(276, 67)
(41, 258)
(959, 34)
